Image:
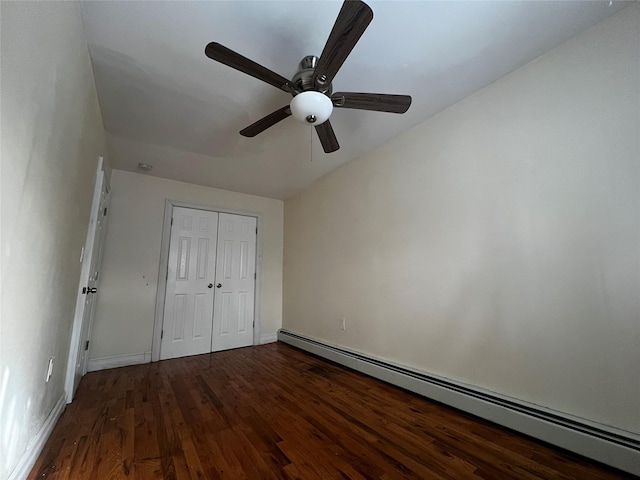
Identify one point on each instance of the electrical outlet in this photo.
(49, 369)
(343, 323)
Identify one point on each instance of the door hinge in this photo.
(254, 275)
(86, 345)
(256, 229)
(171, 220)
(104, 214)
(161, 334)
(167, 275)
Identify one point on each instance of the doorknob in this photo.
(218, 285)
(88, 290)
(210, 285)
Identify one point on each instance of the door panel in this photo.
(89, 279)
(94, 279)
(191, 273)
(234, 299)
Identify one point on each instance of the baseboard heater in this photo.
(611, 446)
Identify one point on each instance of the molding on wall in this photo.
(611, 446)
(30, 456)
(116, 361)
(268, 338)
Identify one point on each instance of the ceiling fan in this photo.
(313, 97)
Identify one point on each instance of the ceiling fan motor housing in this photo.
(303, 79)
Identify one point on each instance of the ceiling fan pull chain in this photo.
(311, 144)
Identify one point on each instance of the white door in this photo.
(91, 291)
(88, 284)
(235, 282)
(188, 310)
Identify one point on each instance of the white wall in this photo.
(126, 302)
(52, 135)
(497, 243)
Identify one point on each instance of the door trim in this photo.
(164, 264)
(76, 329)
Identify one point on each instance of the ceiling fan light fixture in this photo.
(311, 107)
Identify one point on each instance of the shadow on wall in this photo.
(137, 104)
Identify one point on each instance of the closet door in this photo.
(235, 282)
(188, 309)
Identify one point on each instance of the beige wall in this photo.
(52, 135)
(497, 243)
(126, 303)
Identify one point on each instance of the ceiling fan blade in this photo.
(266, 122)
(352, 21)
(379, 102)
(327, 137)
(222, 54)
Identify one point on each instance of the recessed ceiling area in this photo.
(164, 103)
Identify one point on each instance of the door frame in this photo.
(164, 265)
(85, 272)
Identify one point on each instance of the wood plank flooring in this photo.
(276, 412)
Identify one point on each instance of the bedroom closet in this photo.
(210, 293)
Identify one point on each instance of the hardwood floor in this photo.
(276, 412)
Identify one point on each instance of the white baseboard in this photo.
(30, 456)
(611, 446)
(116, 361)
(269, 338)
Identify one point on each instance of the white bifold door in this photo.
(209, 301)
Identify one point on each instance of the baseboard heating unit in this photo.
(611, 446)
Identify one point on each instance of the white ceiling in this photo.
(165, 103)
